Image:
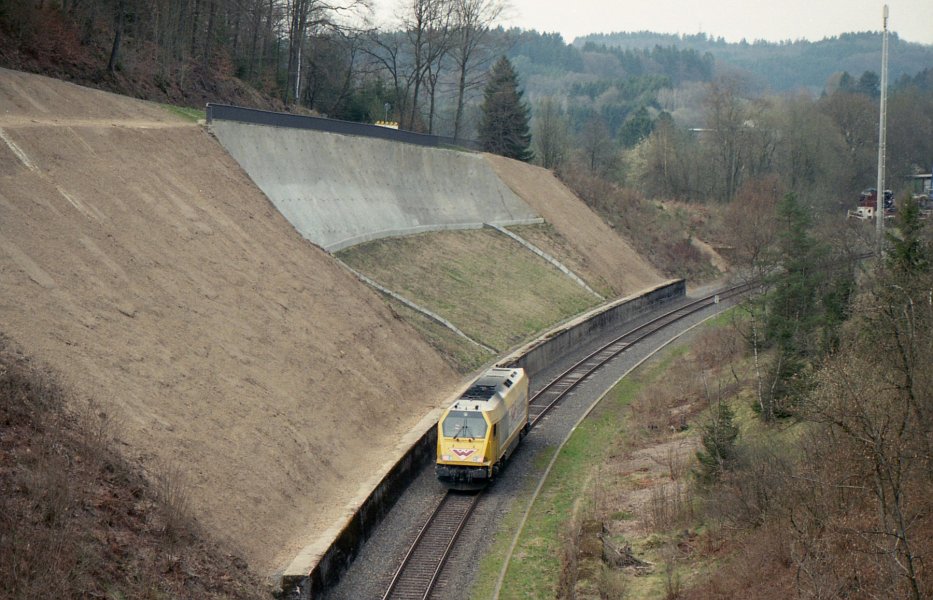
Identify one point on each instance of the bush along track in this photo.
(620, 473)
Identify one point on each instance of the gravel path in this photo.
(373, 569)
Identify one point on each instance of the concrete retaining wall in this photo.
(226, 112)
(340, 554)
(307, 578)
(341, 190)
(559, 342)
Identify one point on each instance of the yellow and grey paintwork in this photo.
(500, 397)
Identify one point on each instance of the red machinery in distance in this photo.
(868, 202)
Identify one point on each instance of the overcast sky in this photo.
(772, 20)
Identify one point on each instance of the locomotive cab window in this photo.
(464, 424)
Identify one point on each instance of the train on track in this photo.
(481, 429)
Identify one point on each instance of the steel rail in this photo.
(564, 383)
(416, 577)
(420, 569)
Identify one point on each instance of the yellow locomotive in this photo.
(482, 428)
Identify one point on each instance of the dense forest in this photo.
(787, 65)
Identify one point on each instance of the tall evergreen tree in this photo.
(504, 126)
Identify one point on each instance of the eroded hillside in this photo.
(139, 260)
(598, 251)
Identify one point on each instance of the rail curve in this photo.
(418, 573)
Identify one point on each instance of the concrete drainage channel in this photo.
(313, 571)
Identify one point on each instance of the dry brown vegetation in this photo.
(634, 531)
(51, 41)
(76, 521)
(836, 504)
(665, 233)
(832, 504)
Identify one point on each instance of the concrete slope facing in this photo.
(605, 253)
(139, 261)
(340, 190)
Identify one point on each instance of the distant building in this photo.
(923, 186)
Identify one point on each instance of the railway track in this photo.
(422, 565)
(420, 568)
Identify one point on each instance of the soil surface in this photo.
(139, 261)
(606, 255)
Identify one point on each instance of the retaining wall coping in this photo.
(311, 568)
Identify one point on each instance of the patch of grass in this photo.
(488, 285)
(463, 355)
(724, 319)
(488, 572)
(535, 569)
(190, 114)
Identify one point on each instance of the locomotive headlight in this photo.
(445, 457)
(477, 459)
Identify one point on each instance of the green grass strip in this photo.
(189, 114)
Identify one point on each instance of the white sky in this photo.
(772, 20)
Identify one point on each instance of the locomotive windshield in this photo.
(464, 424)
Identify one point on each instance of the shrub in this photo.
(718, 454)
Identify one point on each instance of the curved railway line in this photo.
(419, 571)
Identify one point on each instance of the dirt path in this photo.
(21, 121)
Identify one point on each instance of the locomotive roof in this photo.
(489, 383)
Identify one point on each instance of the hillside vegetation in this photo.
(462, 277)
(78, 521)
(783, 452)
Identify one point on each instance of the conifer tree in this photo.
(504, 126)
(718, 454)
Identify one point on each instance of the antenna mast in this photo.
(882, 131)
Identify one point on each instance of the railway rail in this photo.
(418, 574)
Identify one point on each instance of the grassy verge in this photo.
(621, 482)
(190, 114)
(488, 285)
(535, 568)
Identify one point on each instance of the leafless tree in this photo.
(550, 134)
(387, 51)
(751, 221)
(310, 16)
(671, 163)
(596, 146)
(427, 27)
(727, 121)
(473, 20)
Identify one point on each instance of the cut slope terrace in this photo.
(141, 262)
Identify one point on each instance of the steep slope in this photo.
(138, 260)
(605, 255)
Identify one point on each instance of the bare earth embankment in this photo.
(138, 260)
(600, 255)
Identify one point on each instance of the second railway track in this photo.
(419, 571)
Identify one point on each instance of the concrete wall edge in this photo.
(319, 565)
